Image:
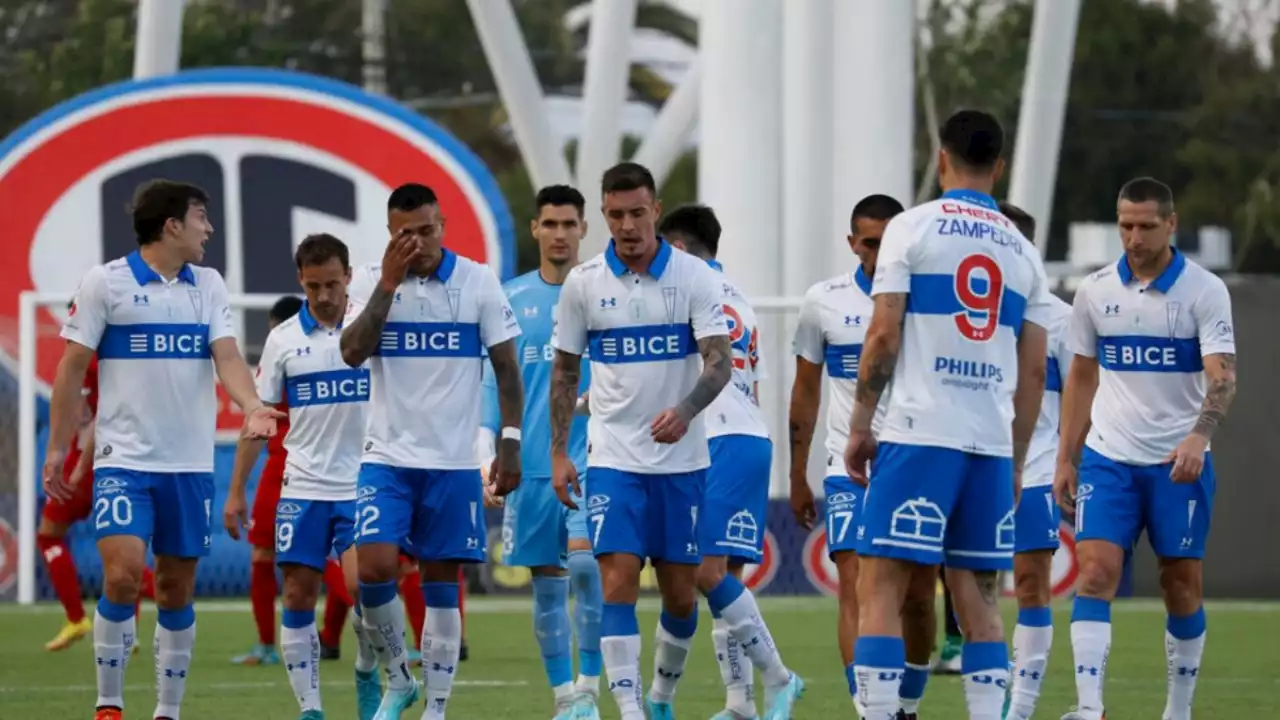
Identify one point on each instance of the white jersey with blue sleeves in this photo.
(1043, 454)
(302, 366)
(642, 330)
(534, 301)
(1150, 342)
(423, 409)
(157, 411)
(735, 410)
(971, 279)
(832, 326)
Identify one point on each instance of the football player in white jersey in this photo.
(302, 366)
(1153, 376)
(428, 314)
(735, 502)
(959, 325)
(832, 325)
(648, 312)
(1037, 518)
(155, 321)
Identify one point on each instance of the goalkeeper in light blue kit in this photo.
(538, 532)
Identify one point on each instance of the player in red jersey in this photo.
(59, 515)
(263, 587)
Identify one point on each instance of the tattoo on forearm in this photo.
(879, 357)
(717, 367)
(988, 587)
(565, 375)
(362, 336)
(1218, 397)
(506, 373)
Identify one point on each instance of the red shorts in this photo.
(75, 508)
(262, 523)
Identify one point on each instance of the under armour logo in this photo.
(141, 300)
(171, 673)
(609, 302)
(1111, 310)
(1082, 670)
(109, 662)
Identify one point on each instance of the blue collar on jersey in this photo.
(444, 271)
(973, 197)
(715, 264)
(864, 282)
(656, 267)
(143, 273)
(308, 321)
(1167, 278)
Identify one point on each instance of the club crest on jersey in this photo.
(455, 304)
(669, 300)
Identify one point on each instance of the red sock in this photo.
(414, 604)
(462, 599)
(336, 605)
(262, 595)
(62, 575)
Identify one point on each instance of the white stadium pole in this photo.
(521, 91)
(1044, 105)
(874, 91)
(603, 95)
(28, 473)
(807, 123)
(373, 46)
(158, 50)
(666, 140)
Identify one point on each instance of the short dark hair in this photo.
(875, 207)
(559, 196)
(411, 196)
(285, 308)
(1021, 219)
(156, 202)
(697, 223)
(319, 249)
(1149, 189)
(973, 138)
(627, 176)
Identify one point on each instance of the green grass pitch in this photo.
(1240, 676)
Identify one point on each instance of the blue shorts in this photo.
(307, 530)
(438, 513)
(537, 527)
(1036, 521)
(1115, 501)
(172, 511)
(735, 502)
(931, 505)
(649, 516)
(844, 501)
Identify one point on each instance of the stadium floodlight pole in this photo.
(666, 140)
(520, 90)
(603, 95)
(874, 96)
(373, 48)
(158, 48)
(807, 124)
(28, 473)
(1044, 105)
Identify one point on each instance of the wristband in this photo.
(511, 433)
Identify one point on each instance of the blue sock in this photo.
(914, 679)
(985, 669)
(551, 628)
(879, 662)
(584, 574)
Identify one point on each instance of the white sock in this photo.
(1031, 644)
(301, 649)
(985, 667)
(878, 665)
(441, 647)
(384, 626)
(735, 671)
(366, 655)
(669, 657)
(746, 624)
(1090, 645)
(622, 666)
(112, 642)
(173, 660)
(1184, 667)
(589, 684)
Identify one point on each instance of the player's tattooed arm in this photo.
(717, 367)
(806, 396)
(1220, 372)
(879, 356)
(362, 336)
(506, 373)
(566, 373)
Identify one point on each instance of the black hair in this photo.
(627, 176)
(1021, 219)
(319, 249)
(1149, 189)
(285, 308)
(156, 202)
(411, 196)
(697, 224)
(559, 196)
(973, 138)
(875, 207)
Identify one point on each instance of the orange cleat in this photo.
(108, 714)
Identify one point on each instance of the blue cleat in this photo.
(395, 702)
(730, 715)
(782, 700)
(584, 708)
(259, 655)
(659, 711)
(311, 715)
(368, 694)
